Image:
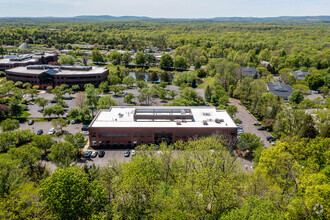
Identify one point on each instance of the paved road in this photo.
(247, 120)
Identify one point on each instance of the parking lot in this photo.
(247, 120)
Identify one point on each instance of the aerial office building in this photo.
(50, 75)
(130, 126)
(11, 61)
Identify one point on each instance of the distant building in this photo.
(49, 75)
(280, 89)
(24, 46)
(299, 75)
(11, 61)
(250, 72)
(123, 126)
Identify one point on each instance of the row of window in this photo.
(119, 143)
(177, 135)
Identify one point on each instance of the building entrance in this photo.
(163, 137)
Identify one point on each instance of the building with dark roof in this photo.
(250, 72)
(299, 75)
(127, 126)
(280, 89)
(11, 61)
(51, 75)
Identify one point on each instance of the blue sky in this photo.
(164, 8)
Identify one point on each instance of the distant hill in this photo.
(108, 18)
(141, 18)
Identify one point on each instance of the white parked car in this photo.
(51, 131)
(133, 152)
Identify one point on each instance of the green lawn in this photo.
(207, 81)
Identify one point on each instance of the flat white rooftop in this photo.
(192, 116)
(25, 70)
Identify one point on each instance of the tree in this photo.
(207, 93)
(63, 153)
(232, 110)
(172, 93)
(78, 140)
(117, 89)
(74, 113)
(24, 203)
(42, 102)
(27, 156)
(105, 102)
(16, 107)
(93, 96)
(97, 57)
(9, 125)
(115, 57)
(180, 63)
(126, 57)
(314, 81)
(71, 196)
(154, 77)
(166, 62)
(66, 59)
(2, 51)
(104, 87)
(145, 96)
(129, 98)
(296, 97)
(43, 142)
(140, 58)
(129, 81)
(141, 84)
(250, 142)
(59, 124)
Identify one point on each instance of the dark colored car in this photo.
(40, 132)
(73, 121)
(94, 154)
(127, 153)
(88, 153)
(31, 122)
(84, 128)
(52, 101)
(261, 128)
(68, 121)
(101, 153)
(271, 139)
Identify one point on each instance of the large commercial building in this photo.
(50, 75)
(131, 126)
(11, 61)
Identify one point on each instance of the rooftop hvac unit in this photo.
(218, 120)
(178, 123)
(205, 122)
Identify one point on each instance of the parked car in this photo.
(84, 128)
(89, 167)
(261, 128)
(94, 154)
(127, 153)
(87, 154)
(73, 121)
(256, 123)
(85, 132)
(52, 101)
(51, 131)
(101, 153)
(271, 139)
(31, 122)
(68, 121)
(40, 132)
(133, 152)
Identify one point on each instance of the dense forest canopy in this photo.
(285, 44)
